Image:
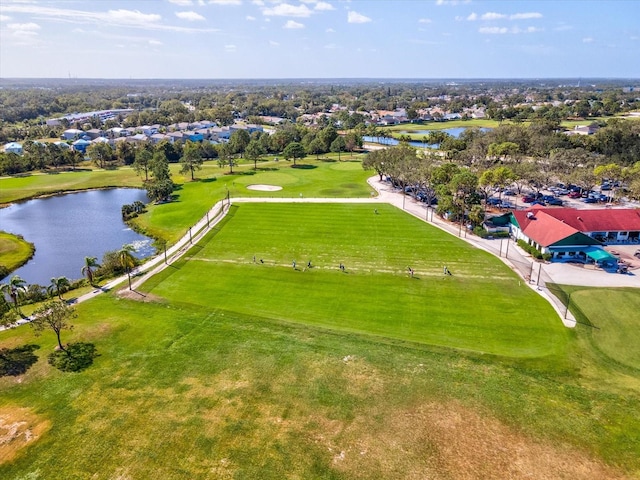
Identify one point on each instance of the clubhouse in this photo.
(569, 234)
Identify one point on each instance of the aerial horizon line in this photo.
(325, 78)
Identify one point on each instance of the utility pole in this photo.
(190, 239)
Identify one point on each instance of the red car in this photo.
(574, 195)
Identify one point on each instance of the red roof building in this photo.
(567, 233)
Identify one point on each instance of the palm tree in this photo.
(89, 264)
(13, 288)
(58, 285)
(127, 260)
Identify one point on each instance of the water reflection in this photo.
(67, 228)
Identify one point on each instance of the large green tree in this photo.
(53, 315)
(254, 152)
(191, 158)
(293, 151)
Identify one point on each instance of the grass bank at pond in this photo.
(15, 251)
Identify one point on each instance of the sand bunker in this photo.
(264, 188)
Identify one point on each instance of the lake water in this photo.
(67, 228)
(454, 132)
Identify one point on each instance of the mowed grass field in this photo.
(312, 178)
(482, 306)
(230, 369)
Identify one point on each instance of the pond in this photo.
(67, 228)
(454, 132)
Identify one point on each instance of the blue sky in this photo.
(320, 39)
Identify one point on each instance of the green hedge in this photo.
(535, 253)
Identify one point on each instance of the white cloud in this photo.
(331, 46)
(587, 40)
(355, 17)
(512, 30)
(286, 10)
(250, 18)
(181, 3)
(111, 18)
(30, 27)
(293, 25)
(493, 30)
(226, 2)
(229, 48)
(563, 27)
(330, 30)
(323, 6)
(155, 43)
(472, 17)
(133, 16)
(525, 16)
(492, 16)
(453, 3)
(424, 20)
(260, 3)
(274, 43)
(190, 16)
(4, 18)
(634, 37)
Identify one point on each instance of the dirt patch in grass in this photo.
(450, 441)
(140, 297)
(19, 428)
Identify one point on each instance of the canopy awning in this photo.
(600, 255)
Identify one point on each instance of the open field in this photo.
(14, 251)
(614, 313)
(312, 178)
(479, 307)
(261, 373)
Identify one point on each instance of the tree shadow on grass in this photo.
(16, 361)
(206, 180)
(305, 166)
(75, 358)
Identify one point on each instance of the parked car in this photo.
(555, 201)
(589, 200)
(538, 202)
(528, 199)
(574, 194)
(509, 193)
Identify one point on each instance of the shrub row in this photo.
(535, 253)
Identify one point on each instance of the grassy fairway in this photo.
(312, 179)
(614, 313)
(184, 392)
(14, 251)
(259, 371)
(481, 307)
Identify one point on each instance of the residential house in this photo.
(94, 133)
(159, 137)
(193, 136)
(72, 134)
(13, 147)
(81, 145)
